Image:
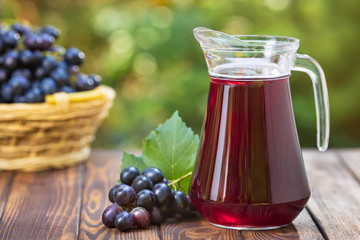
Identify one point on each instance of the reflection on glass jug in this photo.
(249, 172)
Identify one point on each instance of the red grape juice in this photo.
(249, 171)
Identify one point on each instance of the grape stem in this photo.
(176, 181)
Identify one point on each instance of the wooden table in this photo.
(68, 203)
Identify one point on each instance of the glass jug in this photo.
(249, 172)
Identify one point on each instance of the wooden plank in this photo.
(43, 205)
(6, 180)
(196, 229)
(102, 171)
(303, 227)
(351, 158)
(335, 200)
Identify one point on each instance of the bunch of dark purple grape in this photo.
(31, 66)
(142, 199)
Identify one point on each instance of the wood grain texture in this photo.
(335, 199)
(43, 205)
(6, 180)
(102, 171)
(302, 228)
(196, 229)
(351, 159)
(68, 203)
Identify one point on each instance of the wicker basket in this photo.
(53, 134)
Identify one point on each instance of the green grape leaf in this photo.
(132, 160)
(172, 148)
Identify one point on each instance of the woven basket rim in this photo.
(107, 91)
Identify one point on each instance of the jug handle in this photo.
(307, 64)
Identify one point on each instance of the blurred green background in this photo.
(147, 52)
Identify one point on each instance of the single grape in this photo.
(141, 217)
(22, 72)
(73, 69)
(74, 56)
(128, 174)
(34, 95)
(179, 201)
(84, 83)
(38, 55)
(32, 41)
(124, 195)
(46, 41)
(109, 214)
(27, 58)
(10, 60)
(40, 72)
(154, 174)
(166, 209)
(11, 38)
(3, 76)
(20, 28)
(7, 93)
(190, 211)
(48, 86)
(60, 75)
(48, 63)
(190, 204)
(166, 181)
(19, 83)
(51, 31)
(97, 79)
(111, 192)
(157, 215)
(36, 84)
(162, 193)
(146, 199)
(29, 41)
(141, 182)
(124, 221)
(61, 64)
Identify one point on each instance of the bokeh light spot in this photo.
(145, 64)
(237, 25)
(108, 20)
(277, 5)
(147, 37)
(162, 17)
(121, 42)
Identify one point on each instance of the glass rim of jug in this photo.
(260, 43)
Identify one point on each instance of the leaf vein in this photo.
(160, 149)
(184, 152)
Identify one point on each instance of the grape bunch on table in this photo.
(144, 199)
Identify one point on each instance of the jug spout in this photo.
(209, 38)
